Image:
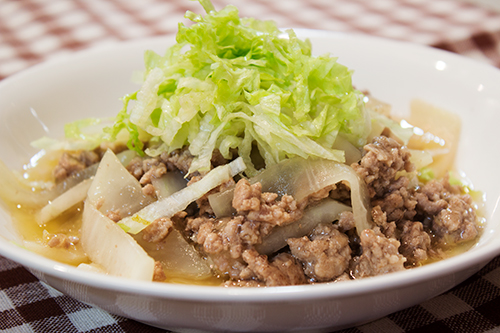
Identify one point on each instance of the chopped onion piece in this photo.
(107, 245)
(181, 199)
(326, 211)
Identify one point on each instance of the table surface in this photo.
(32, 31)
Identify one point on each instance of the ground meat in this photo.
(114, 215)
(325, 254)
(451, 215)
(412, 214)
(456, 223)
(146, 169)
(288, 265)
(235, 269)
(383, 159)
(60, 240)
(159, 273)
(409, 222)
(179, 159)
(284, 272)
(415, 242)
(346, 221)
(157, 230)
(341, 192)
(135, 167)
(73, 162)
(153, 168)
(263, 207)
(149, 190)
(398, 203)
(380, 255)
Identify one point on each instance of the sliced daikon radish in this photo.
(68, 199)
(107, 245)
(114, 189)
(177, 256)
(168, 184)
(437, 131)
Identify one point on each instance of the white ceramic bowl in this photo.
(90, 83)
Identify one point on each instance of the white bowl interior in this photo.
(90, 84)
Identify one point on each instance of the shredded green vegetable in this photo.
(232, 82)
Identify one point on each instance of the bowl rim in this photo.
(477, 256)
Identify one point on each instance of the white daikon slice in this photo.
(177, 256)
(107, 245)
(168, 184)
(114, 189)
(65, 201)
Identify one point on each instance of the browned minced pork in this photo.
(282, 271)
(415, 242)
(325, 254)
(157, 230)
(452, 214)
(60, 240)
(159, 273)
(114, 215)
(179, 159)
(73, 162)
(263, 207)
(380, 255)
(161, 227)
(436, 212)
(346, 221)
(146, 169)
(225, 240)
(399, 202)
(383, 159)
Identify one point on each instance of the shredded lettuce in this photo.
(232, 82)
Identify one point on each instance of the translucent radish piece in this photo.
(15, 191)
(65, 201)
(107, 245)
(177, 256)
(114, 189)
(221, 203)
(168, 184)
(325, 211)
(181, 199)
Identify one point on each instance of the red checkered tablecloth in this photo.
(32, 31)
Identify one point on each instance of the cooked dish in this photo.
(243, 160)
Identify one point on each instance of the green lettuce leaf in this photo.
(232, 82)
